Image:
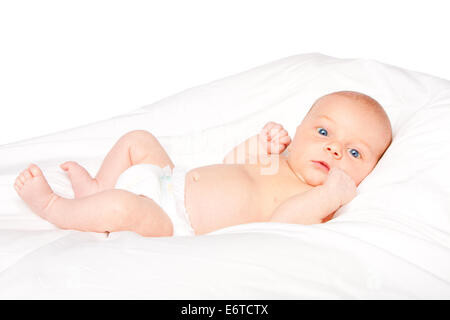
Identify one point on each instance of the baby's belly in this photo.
(218, 196)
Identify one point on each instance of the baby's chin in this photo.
(313, 179)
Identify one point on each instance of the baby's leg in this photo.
(135, 147)
(106, 211)
(111, 210)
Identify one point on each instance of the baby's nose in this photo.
(335, 151)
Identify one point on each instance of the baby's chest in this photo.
(236, 190)
(269, 191)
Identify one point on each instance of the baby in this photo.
(335, 147)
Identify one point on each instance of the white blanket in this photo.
(391, 241)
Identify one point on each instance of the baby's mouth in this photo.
(322, 165)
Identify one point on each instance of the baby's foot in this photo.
(82, 183)
(33, 188)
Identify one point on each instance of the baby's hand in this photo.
(274, 138)
(340, 186)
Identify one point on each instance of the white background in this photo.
(65, 64)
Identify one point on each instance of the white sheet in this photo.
(391, 241)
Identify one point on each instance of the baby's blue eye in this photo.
(354, 153)
(322, 131)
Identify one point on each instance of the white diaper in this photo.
(162, 185)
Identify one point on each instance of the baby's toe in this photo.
(65, 165)
(27, 175)
(35, 170)
(68, 165)
(18, 182)
(21, 177)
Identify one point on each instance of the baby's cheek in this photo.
(357, 177)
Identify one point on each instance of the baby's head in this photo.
(346, 129)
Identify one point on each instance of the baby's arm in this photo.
(316, 204)
(273, 139)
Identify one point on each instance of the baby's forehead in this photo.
(339, 115)
(359, 122)
(340, 101)
(350, 106)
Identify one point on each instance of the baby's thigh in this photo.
(122, 210)
(145, 148)
(154, 222)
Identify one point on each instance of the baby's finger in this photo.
(280, 134)
(275, 130)
(266, 130)
(285, 140)
(276, 147)
(281, 138)
(269, 125)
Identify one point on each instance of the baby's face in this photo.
(339, 132)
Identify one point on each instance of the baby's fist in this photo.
(274, 138)
(340, 186)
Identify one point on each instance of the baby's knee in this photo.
(139, 136)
